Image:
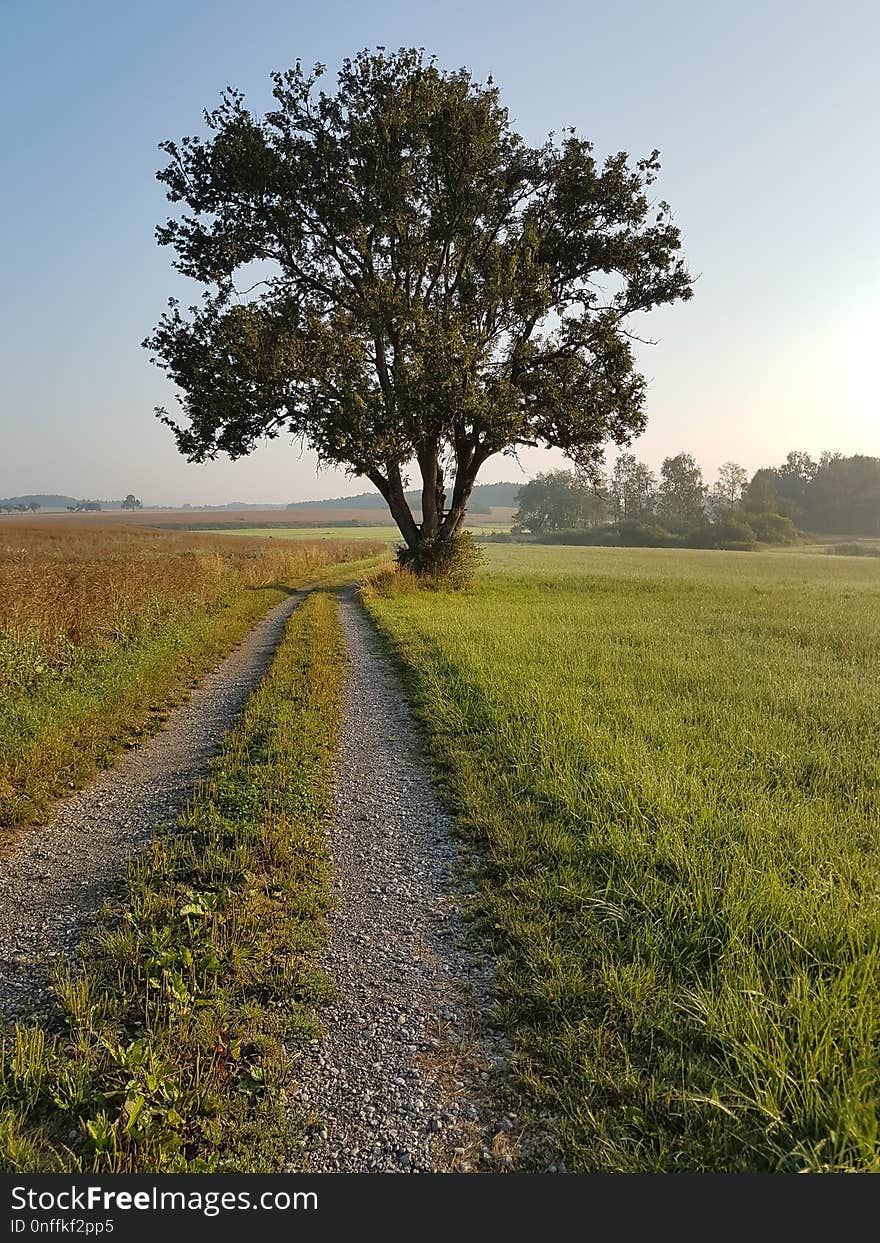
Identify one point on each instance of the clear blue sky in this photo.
(765, 114)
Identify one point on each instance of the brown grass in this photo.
(206, 519)
(93, 585)
(101, 628)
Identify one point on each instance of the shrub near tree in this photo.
(433, 291)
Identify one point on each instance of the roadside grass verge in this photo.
(672, 776)
(101, 631)
(167, 1051)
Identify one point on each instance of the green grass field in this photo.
(671, 762)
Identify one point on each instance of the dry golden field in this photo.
(103, 625)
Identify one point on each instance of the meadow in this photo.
(669, 762)
(102, 628)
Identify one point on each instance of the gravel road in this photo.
(399, 1083)
(55, 877)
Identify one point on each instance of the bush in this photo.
(774, 529)
(580, 536)
(731, 532)
(443, 564)
(635, 534)
(501, 537)
(855, 550)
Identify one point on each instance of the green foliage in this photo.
(728, 490)
(167, 1051)
(773, 529)
(631, 489)
(644, 535)
(559, 500)
(667, 761)
(433, 289)
(730, 531)
(855, 550)
(681, 491)
(836, 495)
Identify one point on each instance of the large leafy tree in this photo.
(423, 287)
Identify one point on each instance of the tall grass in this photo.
(100, 628)
(671, 762)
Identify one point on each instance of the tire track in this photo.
(397, 1084)
(56, 877)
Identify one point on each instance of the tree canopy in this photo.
(836, 495)
(422, 286)
(632, 489)
(560, 500)
(682, 491)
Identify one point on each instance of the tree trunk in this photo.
(433, 495)
(437, 524)
(468, 463)
(392, 490)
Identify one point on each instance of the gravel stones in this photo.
(391, 1085)
(55, 877)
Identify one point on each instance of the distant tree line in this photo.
(835, 495)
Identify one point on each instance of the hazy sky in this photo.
(765, 114)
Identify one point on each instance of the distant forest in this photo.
(835, 495)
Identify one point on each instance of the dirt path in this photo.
(57, 876)
(396, 1085)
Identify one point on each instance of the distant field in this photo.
(302, 522)
(386, 534)
(197, 519)
(100, 628)
(671, 762)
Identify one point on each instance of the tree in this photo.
(632, 488)
(760, 496)
(729, 487)
(559, 500)
(132, 502)
(682, 491)
(843, 497)
(792, 483)
(33, 506)
(430, 290)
